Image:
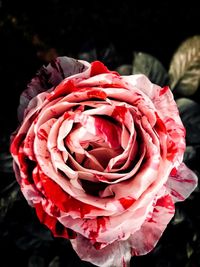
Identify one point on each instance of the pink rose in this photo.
(99, 156)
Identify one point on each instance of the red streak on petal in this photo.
(25, 182)
(160, 126)
(98, 245)
(42, 134)
(97, 94)
(178, 177)
(163, 90)
(126, 202)
(172, 150)
(22, 163)
(54, 211)
(79, 109)
(166, 202)
(51, 222)
(107, 129)
(101, 177)
(134, 252)
(173, 172)
(120, 112)
(62, 200)
(26, 167)
(28, 143)
(113, 85)
(37, 182)
(123, 262)
(98, 68)
(16, 143)
(93, 235)
(176, 194)
(101, 224)
(35, 120)
(67, 115)
(151, 220)
(34, 117)
(62, 89)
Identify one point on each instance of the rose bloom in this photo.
(99, 157)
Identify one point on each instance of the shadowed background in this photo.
(35, 32)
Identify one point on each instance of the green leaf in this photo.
(8, 197)
(6, 162)
(151, 67)
(190, 115)
(124, 69)
(55, 262)
(89, 55)
(184, 68)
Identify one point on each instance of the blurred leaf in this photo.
(12, 187)
(6, 163)
(8, 196)
(190, 250)
(179, 216)
(108, 55)
(88, 55)
(124, 70)
(27, 242)
(190, 115)
(151, 67)
(34, 235)
(192, 158)
(190, 154)
(36, 261)
(55, 262)
(184, 68)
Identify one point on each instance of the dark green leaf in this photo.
(88, 55)
(151, 67)
(36, 261)
(8, 196)
(6, 162)
(190, 115)
(55, 262)
(125, 70)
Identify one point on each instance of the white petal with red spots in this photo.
(99, 157)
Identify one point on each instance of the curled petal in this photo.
(48, 77)
(182, 181)
(117, 254)
(145, 239)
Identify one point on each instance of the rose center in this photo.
(94, 141)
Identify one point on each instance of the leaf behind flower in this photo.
(184, 70)
(151, 67)
(190, 115)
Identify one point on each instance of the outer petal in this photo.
(145, 239)
(182, 181)
(51, 222)
(137, 214)
(118, 254)
(48, 77)
(166, 107)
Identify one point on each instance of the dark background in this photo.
(34, 32)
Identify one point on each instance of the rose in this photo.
(99, 156)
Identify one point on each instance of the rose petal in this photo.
(167, 110)
(181, 182)
(117, 254)
(145, 239)
(48, 77)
